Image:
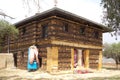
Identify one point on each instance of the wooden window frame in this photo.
(44, 31)
(96, 34)
(23, 30)
(82, 30)
(65, 27)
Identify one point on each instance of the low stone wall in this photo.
(6, 60)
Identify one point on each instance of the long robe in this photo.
(33, 55)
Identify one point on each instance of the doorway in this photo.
(79, 58)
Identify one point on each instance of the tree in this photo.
(112, 14)
(7, 30)
(112, 51)
(4, 14)
(107, 50)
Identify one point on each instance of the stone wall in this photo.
(6, 60)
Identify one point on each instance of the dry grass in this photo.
(16, 74)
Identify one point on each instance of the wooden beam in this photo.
(56, 42)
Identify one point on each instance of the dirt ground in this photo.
(17, 74)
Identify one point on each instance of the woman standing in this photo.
(33, 56)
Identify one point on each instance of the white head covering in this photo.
(33, 47)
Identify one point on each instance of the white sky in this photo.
(89, 9)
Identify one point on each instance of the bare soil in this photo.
(17, 74)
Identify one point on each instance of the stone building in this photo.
(64, 40)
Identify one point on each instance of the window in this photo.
(23, 30)
(82, 30)
(44, 31)
(65, 27)
(96, 34)
(22, 54)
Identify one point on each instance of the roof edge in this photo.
(34, 17)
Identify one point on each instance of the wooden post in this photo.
(72, 59)
(49, 59)
(100, 60)
(86, 58)
(52, 58)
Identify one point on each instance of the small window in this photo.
(44, 31)
(96, 34)
(82, 30)
(22, 54)
(65, 27)
(23, 30)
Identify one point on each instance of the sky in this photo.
(90, 9)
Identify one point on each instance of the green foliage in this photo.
(113, 51)
(112, 14)
(107, 50)
(7, 30)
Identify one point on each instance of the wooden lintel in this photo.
(75, 45)
(44, 42)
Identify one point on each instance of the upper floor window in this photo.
(65, 27)
(44, 31)
(82, 30)
(23, 30)
(96, 34)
